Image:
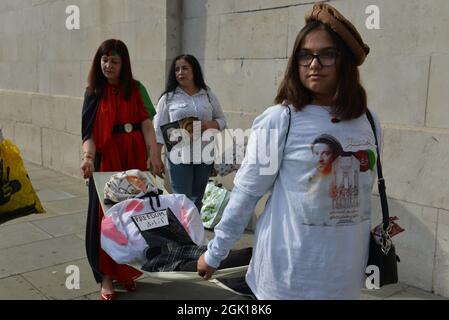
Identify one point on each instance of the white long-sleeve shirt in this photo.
(309, 243)
(177, 105)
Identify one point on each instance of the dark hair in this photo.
(349, 101)
(332, 142)
(97, 80)
(198, 78)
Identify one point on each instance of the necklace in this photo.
(333, 118)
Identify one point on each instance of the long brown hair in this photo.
(96, 79)
(350, 99)
(198, 77)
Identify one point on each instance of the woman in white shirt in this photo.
(187, 96)
(309, 243)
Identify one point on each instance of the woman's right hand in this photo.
(204, 270)
(87, 168)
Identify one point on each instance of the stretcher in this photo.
(100, 179)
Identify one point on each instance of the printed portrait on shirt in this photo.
(333, 195)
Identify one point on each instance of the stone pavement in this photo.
(35, 251)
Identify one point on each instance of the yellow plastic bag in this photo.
(17, 196)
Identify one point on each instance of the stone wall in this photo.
(44, 66)
(46, 128)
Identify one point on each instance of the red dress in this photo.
(119, 152)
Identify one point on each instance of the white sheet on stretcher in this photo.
(193, 276)
(100, 179)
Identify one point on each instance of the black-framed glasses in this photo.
(326, 59)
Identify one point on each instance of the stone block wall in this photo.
(46, 128)
(44, 66)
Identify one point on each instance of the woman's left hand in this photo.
(156, 165)
(206, 125)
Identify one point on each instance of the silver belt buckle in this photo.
(128, 127)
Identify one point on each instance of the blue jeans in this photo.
(190, 179)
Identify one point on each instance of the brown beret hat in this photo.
(337, 22)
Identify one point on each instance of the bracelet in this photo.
(88, 155)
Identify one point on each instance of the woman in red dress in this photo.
(118, 135)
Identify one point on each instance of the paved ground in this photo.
(36, 250)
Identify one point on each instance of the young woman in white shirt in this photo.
(305, 245)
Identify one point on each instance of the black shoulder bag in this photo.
(383, 254)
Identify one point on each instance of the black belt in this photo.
(126, 128)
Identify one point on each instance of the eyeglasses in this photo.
(326, 59)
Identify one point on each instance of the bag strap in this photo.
(289, 122)
(153, 195)
(380, 178)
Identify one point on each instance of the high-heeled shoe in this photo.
(107, 283)
(107, 296)
(130, 286)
